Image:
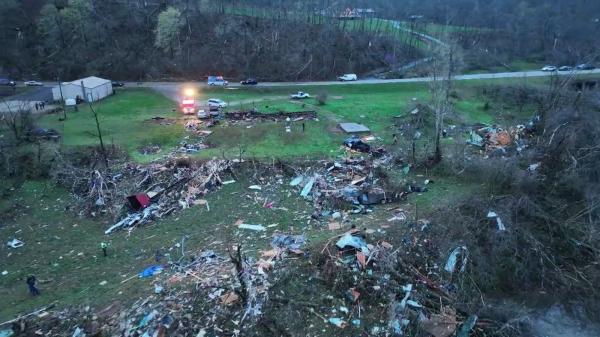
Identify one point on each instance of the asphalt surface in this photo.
(36, 94)
(519, 74)
(173, 90)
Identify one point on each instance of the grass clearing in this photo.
(123, 121)
(124, 118)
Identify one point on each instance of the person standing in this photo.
(31, 284)
(303, 127)
(104, 247)
(37, 106)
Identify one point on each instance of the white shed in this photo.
(90, 89)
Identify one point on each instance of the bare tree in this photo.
(16, 116)
(102, 148)
(442, 70)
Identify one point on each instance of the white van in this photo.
(348, 77)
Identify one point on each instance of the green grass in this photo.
(63, 250)
(123, 118)
(512, 67)
(123, 121)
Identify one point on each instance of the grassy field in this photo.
(512, 66)
(124, 119)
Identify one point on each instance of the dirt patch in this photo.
(161, 120)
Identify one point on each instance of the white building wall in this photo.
(68, 91)
(72, 91)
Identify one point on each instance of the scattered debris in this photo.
(500, 224)
(254, 114)
(260, 228)
(354, 128)
(338, 322)
(441, 325)
(151, 271)
(451, 263)
(15, 243)
(357, 144)
(149, 149)
(467, 326)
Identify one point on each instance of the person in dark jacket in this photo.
(31, 284)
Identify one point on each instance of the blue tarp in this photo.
(151, 271)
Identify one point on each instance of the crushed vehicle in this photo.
(357, 144)
(42, 133)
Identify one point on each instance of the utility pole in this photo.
(62, 99)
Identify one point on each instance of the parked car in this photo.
(565, 68)
(216, 103)
(217, 80)
(249, 81)
(33, 83)
(300, 95)
(6, 81)
(348, 77)
(585, 66)
(118, 84)
(202, 114)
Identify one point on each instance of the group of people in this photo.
(40, 105)
(31, 280)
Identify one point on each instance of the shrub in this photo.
(322, 98)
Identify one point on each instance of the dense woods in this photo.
(278, 40)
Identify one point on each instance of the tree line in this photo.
(279, 39)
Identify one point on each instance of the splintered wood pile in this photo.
(176, 183)
(275, 116)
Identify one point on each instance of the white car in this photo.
(549, 68)
(202, 114)
(217, 81)
(348, 77)
(34, 83)
(300, 95)
(216, 103)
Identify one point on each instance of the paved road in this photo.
(35, 94)
(173, 89)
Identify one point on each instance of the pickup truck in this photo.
(300, 95)
(348, 77)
